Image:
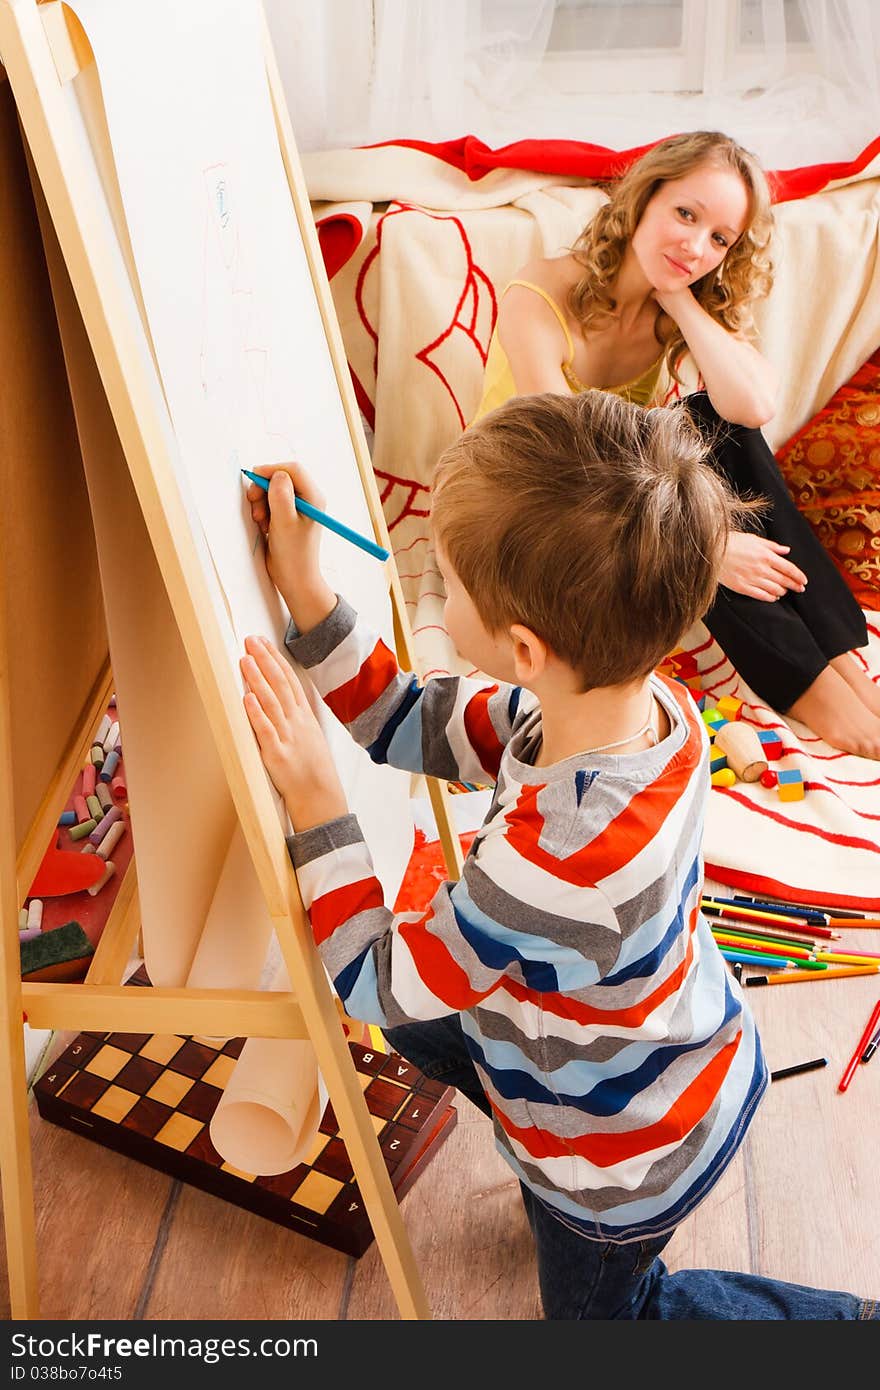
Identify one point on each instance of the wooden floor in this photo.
(117, 1240)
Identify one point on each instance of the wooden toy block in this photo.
(730, 707)
(725, 778)
(790, 785)
(717, 761)
(743, 748)
(772, 744)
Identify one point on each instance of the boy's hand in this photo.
(292, 542)
(291, 740)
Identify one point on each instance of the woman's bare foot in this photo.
(861, 683)
(835, 713)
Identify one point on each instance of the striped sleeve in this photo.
(474, 937)
(453, 727)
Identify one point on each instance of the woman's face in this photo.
(689, 225)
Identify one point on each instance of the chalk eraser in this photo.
(57, 955)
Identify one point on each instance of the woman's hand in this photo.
(292, 542)
(756, 566)
(292, 743)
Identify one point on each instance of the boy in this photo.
(567, 984)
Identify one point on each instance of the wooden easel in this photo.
(42, 46)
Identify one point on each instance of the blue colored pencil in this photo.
(812, 914)
(323, 519)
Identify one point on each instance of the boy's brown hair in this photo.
(596, 523)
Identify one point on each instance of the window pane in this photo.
(751, 23)
(582, 25)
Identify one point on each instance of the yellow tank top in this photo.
(498, 383)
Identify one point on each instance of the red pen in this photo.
(863, 1043)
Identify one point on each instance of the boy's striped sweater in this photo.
(617, 1052)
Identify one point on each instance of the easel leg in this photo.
(15, 1143)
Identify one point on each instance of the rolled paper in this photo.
(95, 807)
(81, 809)
(35, 913)
(742, 748)
(79, 832)
(103, 729)
(268, 1114)
(111, 762)
(118, 786)
(67, 818)
(100, 830)
(111, 738)
(89, 779)
(111, 839)
(109, 871)
(102, 792)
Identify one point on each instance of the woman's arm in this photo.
(740, 382)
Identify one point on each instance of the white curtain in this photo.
(797, 81)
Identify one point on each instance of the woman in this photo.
(661, 282)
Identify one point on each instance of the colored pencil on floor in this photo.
(798, 1068)
(795, 977)
(853, 1062)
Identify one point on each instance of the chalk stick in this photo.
(111, 839)
(109, 871)
(67, 818)
(79, 832)
(103, 729)
(111, 762)
(95, 807)
(100, 830)
(81, 809)
(22, 919)
(35, 913)
(102, 792)
(118, 786)
(97, 754)
(30, 934)
(89, 778)
(111, 738)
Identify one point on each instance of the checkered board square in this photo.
(152, 1097)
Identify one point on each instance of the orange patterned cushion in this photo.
(832, 467)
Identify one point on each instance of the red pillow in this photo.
(832, 467)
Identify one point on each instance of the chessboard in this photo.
(151, 1098)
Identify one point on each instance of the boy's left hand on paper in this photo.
(292, 542)
(291, 740)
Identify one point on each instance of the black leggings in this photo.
(778, 647)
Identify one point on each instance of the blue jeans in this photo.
(600, 1280)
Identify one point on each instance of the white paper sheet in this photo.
(219, 266)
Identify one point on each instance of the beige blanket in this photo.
(417, 301)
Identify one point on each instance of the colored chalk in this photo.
(95, 807)
(30, 934)
(109, 871)
(103, 729)
(111, 839)
(88, 849)
(111, 762)
(97, 754)
(22, 919)
(85, 827)
(112, 737)
(81, 809)
(89, 779)
(100, 830)
(67, 818)
(102, 792)
(35, 913)
(118, 786)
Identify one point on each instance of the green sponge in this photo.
(59, 954)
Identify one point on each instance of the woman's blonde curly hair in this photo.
(726, 293)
